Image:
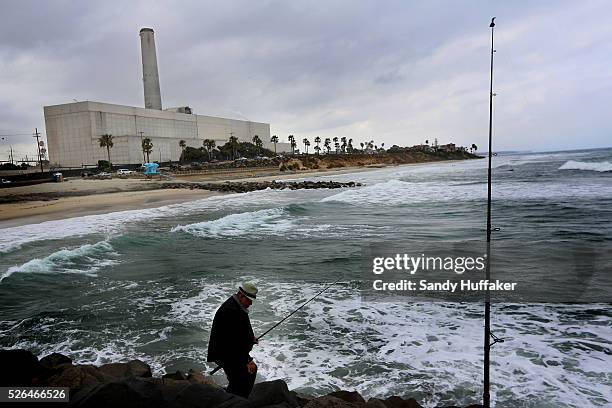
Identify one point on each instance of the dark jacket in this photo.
(231, 336)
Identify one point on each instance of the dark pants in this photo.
(240, 381)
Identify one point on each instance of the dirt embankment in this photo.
(332, 161)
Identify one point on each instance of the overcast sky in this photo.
(397, 72)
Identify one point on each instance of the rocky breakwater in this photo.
(246, 186)
(131, 384)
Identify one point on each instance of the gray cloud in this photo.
(393, 71)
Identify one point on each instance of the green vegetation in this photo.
(104, 165)
(274, 139)
(209, 145)
(106, 140)
(147, 147)
(231, 150)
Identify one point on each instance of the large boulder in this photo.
(139, 369)
(169, 388)
(375, 403)
(76, 377)
(131, 392)
(273, 393)
(54, 360)
(178, 375)
(134, 368)
(203, 395)
(19, 368)
(331, 402)
(199, 378)
(348, 396)
(398, 402)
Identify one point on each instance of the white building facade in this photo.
(73, 130)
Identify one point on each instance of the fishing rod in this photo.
(486, 396)
(286, 317)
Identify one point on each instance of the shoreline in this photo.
(91, 197)
(33, 212)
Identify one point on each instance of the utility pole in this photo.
(12, 155)
(486, 396)
(144, 160)
(37, 135)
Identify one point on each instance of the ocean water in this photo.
(146, 283)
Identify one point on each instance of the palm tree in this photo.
(343, 147)
(233, 141)
(182, 145)
(293, 144)
(317, 149)
(257, 141)
(306, 144)
(327, 144)
(317, 141)
(274, 139)
(106, 140)
(147, 147)
(335, 139)
(362, 146)
(350, 145)
(474, 147)
(209, 145)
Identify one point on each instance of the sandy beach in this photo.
(78, 197)
(17, 214)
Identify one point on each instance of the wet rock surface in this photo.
(130, 384)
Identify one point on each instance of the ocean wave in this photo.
(291, 222)
(273, 221)
(433, 349)
(601, 167)
(86, 259)
(113, 223)
(398, 192)
(405, 340)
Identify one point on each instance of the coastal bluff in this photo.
(131, 384)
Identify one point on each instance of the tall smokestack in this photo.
(150, 77)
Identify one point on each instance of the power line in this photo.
(37, 136)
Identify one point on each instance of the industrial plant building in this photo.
(73, 129)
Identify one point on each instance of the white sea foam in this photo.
(443, 340)
(587, 166)
(86, 259)
(272, 221)
(431, 349)
(397, 192)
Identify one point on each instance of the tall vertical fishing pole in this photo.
(486, 397)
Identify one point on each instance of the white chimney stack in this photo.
(150, 77)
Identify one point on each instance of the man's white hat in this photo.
(248, 290)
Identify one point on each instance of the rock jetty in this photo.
(131, 384)
(246, 186)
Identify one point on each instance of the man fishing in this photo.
(232, 338)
